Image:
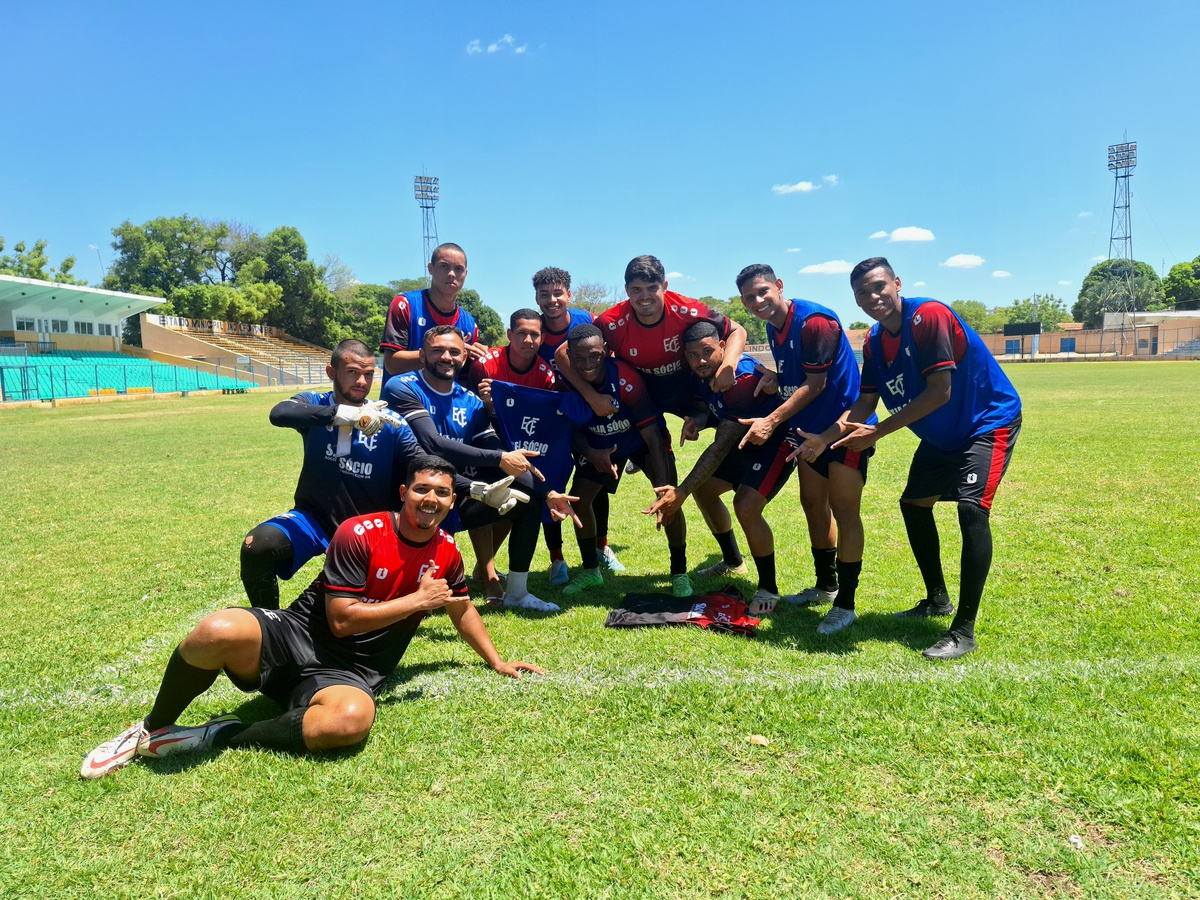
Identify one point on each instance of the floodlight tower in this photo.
(425, 189)
(1122, 158)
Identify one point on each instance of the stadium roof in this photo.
(51, 298)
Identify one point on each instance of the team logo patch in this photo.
(633, 351)
(381, 573)
(671, 345)
(896, 386)
(459, 416)
(529, 424)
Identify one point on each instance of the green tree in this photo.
(858, 325)
(1107, 289)
(1182, 285)
(1044, 308)
(32, 262)
(593, 296)
(491, 328)
(164, 254)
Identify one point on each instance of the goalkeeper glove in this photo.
(498, 494)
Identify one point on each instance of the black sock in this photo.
(552, 533)
(976, 562)
(847, 573)
(181, 684)
(729, 548)
(285, 733)
(600, 510)
(926, 547)
(766, 573)
(825, 565)
(588, 554)
(679, 560)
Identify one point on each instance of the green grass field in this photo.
(1062, 759)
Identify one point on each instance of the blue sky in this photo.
(807, 136)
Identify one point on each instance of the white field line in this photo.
(126, 681)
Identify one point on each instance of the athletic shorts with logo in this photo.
(762, 467)
(294, 667)
(584, 469)
(972, 472)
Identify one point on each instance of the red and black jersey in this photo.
(938, 341)
(497, 365)
(369, 559)
(656, 351)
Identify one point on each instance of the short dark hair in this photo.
(437, 251)
(584, 332)
(550, 276)
(524, 314)
(437, 331)
(427, 462)
(350, 347)
(875, 262)
(698, 331)
(758, 270)
(645, 268)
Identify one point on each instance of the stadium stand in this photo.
(89, 373)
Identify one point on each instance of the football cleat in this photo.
(723, 568)
(175, 739)
(559, 573)
(608, 560)
(928, 608)
(836, 619)
(812, 596)
(951, 646)
(113, 753)
(763, 603)
(530, 602)
(587, 578)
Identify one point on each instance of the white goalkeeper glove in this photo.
(368, 418)
(498, 494)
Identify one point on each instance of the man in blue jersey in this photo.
(755, 473)
(355, 459)
(552, 292)
(412, 314)
(818, 379)
(450, 421)
(936, 377)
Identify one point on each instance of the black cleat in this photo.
(927, 609)
(951, 646)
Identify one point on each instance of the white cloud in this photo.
(963, 261)
(910, 233)
(1000, 273)
(918, 284)
(877, 235)
(1097, 259)
(675, 275)
(1065, 283)
(832, 267)
(1085, 214)
(831, 180)
(508, 42)
(793, 249)
(800, 187)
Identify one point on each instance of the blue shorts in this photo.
(307, 537)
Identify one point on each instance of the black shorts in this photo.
(851, 459)
(294, 667)
(761, 467)
(972, 472)
(585, 471)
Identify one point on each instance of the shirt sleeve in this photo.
(455, 573)
(302, 412)
(347, 561)
(395, 331)
(819, 342)
(938, 339)
(633, 394)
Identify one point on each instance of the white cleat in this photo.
(836, 619)
(114, 753)
(531, 602)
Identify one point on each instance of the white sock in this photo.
(518, 585)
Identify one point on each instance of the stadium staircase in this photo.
(284, 352)
(90, 373)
